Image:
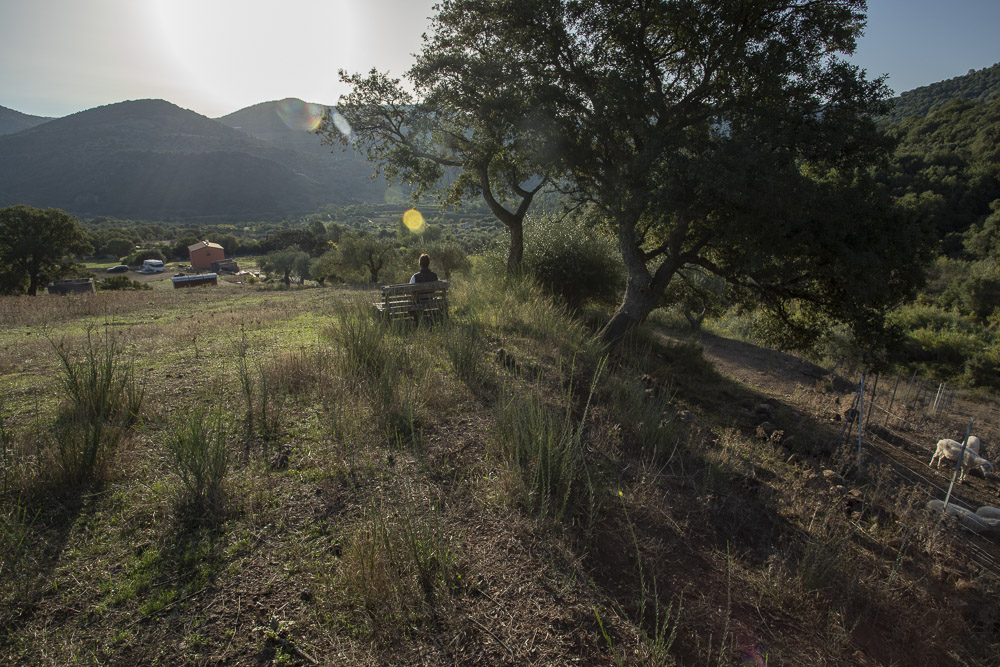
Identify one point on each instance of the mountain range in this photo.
(150, 159)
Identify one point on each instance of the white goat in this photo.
(949, 449)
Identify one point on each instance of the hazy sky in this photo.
(217, 56)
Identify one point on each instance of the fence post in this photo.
(891, 401)
(861, 416)
(937, 398)
(915, 401)
(958, 464)
(871, 401)
(851, 414)
(909, 387)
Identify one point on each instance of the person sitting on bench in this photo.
(425, 275)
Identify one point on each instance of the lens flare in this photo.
(414, 221)
(299, 115)
(340, 123)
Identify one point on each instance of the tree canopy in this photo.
(468, 130)
(35, 246)
(722, 135)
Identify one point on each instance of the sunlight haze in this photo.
(215, 57)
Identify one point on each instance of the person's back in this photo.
(424, 275)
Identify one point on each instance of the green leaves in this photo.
(35, 245)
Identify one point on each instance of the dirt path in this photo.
(904, 445)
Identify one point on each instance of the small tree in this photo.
(119, 247)
(360, 252)
(35, 246)
(286, 262)
(448, 256)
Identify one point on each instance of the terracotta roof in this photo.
(203, 244)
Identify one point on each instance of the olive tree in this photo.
(460, 141)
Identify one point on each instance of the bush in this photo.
(122, 283)
(199, 453)
(142, 255)
(570, 258)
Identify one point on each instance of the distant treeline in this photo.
(976, 86)
(121, 239)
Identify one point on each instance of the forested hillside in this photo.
(948, 165)
(978, 86)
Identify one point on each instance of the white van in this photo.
(152, 266)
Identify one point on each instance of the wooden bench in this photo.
(414, 301)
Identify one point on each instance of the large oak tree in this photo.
(35, 246)
(725, 136)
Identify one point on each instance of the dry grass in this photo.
(383, 523)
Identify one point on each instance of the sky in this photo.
(215, 57)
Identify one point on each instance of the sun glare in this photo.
(414, 221)
(299, 115)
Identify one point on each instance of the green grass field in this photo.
(247, 475)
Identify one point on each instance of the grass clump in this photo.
(200, 457)
(543, 451)
(102, 398)
(259, 387)
(375, 357)
(398, 564)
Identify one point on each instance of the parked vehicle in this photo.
(152, 266)
(121, 268)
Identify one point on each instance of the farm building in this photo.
(203, 253)
(199, 280)
(227, 265)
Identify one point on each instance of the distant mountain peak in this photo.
(150, 158)
(12, 121)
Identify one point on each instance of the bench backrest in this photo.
(418, 297)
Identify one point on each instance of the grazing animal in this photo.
(949, 449)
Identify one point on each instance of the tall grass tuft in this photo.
(543, 451)
(375, 356)
(260, 387)
(398, 563)
(200, 457)
(102, 399)
(465, 345)
(8, 461)
(15, 530)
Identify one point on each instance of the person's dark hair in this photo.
(425, 261)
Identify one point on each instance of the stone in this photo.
(833, 477)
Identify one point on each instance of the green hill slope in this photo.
(977, 86)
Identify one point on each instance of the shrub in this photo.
(103, 398)
(142, 255)
(122, 283)
(570, 258)
(200, 458)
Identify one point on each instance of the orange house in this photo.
(204, 253)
